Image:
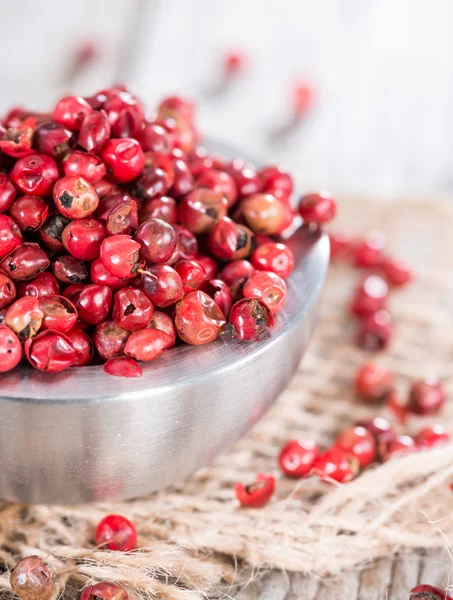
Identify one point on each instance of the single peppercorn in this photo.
(250, 318)
(426, 397)
(373, 384)
(297, 457)
(10, 349)
(50, 351)
(31, 580)
(115, 532)
(257, 494)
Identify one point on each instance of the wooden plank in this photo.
(273, 587)
(375, 580)
(436, 569)
(346, 587)
(405, 576)
(303, 586)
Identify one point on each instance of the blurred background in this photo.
(378, 77)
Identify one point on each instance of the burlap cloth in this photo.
(195, 539)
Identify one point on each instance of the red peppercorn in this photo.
(82, 345)
(358, 442)
(100, 276)
(236, 271)
(317, 208)
(124, 159)
(162, 285)
(182, 105)
(158, 240)
(17, 140)
(10, 349)
(35, 174)
(220, 293)
(400, 445)
(24, 317)
(110, 339)
(104, 591)
(7, 290)
(431, 436)
(200, 210)
(192, 274)
(221, 183)
(336, 464)
(29, 212)
(94, 303)
(297, 457)
(30, 579)
(95, 132)
(59, 313)
(395, 406)
(233, 63)
(50, 351)
(122, 218)
(117, 533)
(159, 208)
(303, 99)
(277, 182)
(368, 253)
(10, 235)
(82, 238)
(198, 319)
(396, 271)
(71, 111)
(269, 287)
(373, 383)
(132, 309)
(428, 592)
(51, 232)
(72, 292)
(120, 255)
(125, 114)
(375, 331)
(53, 139)
(83, 164)
(382, 432)
(8, 193)
(250, 318)
(184, 182)
(75, 197)
(229, 240)
(187, 243)
(109, 202)
(245, 177)
(155, 138)
(122, 366)
(147, 344)
(339, 244)
(209, 265)
(25, 262)
(370, 296)
(257, 494)
(164, 323)
(155, 180)
(263, 213)
(275, 257)
(69, 269)
(426, 397)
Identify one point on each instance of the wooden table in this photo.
(388, 579)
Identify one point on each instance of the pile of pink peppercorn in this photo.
(120, 235)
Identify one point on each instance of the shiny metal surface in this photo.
(83, 435)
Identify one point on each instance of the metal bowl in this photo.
(83, 435)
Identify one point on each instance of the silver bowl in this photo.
(83, 435)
